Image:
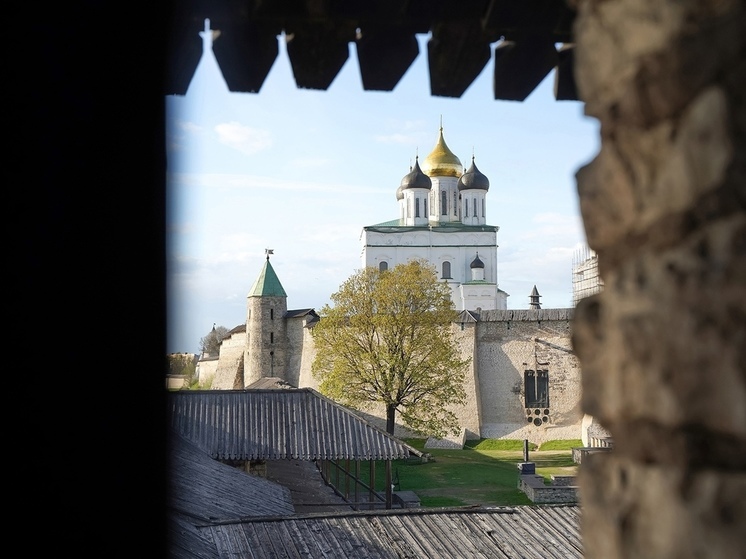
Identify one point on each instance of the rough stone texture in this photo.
(538, 492)
(267, 344)
(301, 352)
(632, 509)
(663, 347)
(470, 414)
(509, 342)
(229, 368)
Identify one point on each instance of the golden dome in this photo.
(442, 162)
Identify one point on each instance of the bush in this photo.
(561, 444)
(498, 444)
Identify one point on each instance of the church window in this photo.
(482, 208)
(409, 208)
(444, 203)
(455, 204)
(446, 270)
(417, 207)
(537, 388)
(424, 202)
(383, 266)
(466, 208)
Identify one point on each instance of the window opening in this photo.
(537, 388)
(446, 271)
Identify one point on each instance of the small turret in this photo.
(477, 269)
(534, 299)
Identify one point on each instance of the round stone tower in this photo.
(267, 344)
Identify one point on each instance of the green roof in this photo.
(267, 284)
(397, 226)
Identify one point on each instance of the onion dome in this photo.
(415, 179)
(476, 263)
(442, 162)
(399, 194)
(473, 179)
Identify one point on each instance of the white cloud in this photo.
(243, 138)
(188, 126)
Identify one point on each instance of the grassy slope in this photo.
(472, 476)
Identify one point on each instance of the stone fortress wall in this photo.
(507, 343)
(502, 345)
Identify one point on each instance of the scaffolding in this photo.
(586, 280)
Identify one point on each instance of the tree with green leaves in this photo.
(388, 340)
(210, 344)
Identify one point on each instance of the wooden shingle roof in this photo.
(541, 532)
(202, 490)
(278, 424)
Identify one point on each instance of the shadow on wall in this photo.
(500, 387)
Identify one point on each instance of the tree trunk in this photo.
(390, 418)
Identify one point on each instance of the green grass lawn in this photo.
(476, 475)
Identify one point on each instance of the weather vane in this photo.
(268, 251)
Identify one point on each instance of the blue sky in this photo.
(302, 172)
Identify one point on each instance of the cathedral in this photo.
(443, 220)
(524, 379)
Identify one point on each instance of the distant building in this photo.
(524, 379)
(443, 220)
(586, 280)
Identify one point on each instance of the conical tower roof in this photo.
(267, 284)
(442, 162)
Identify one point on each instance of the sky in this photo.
(301, 172)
